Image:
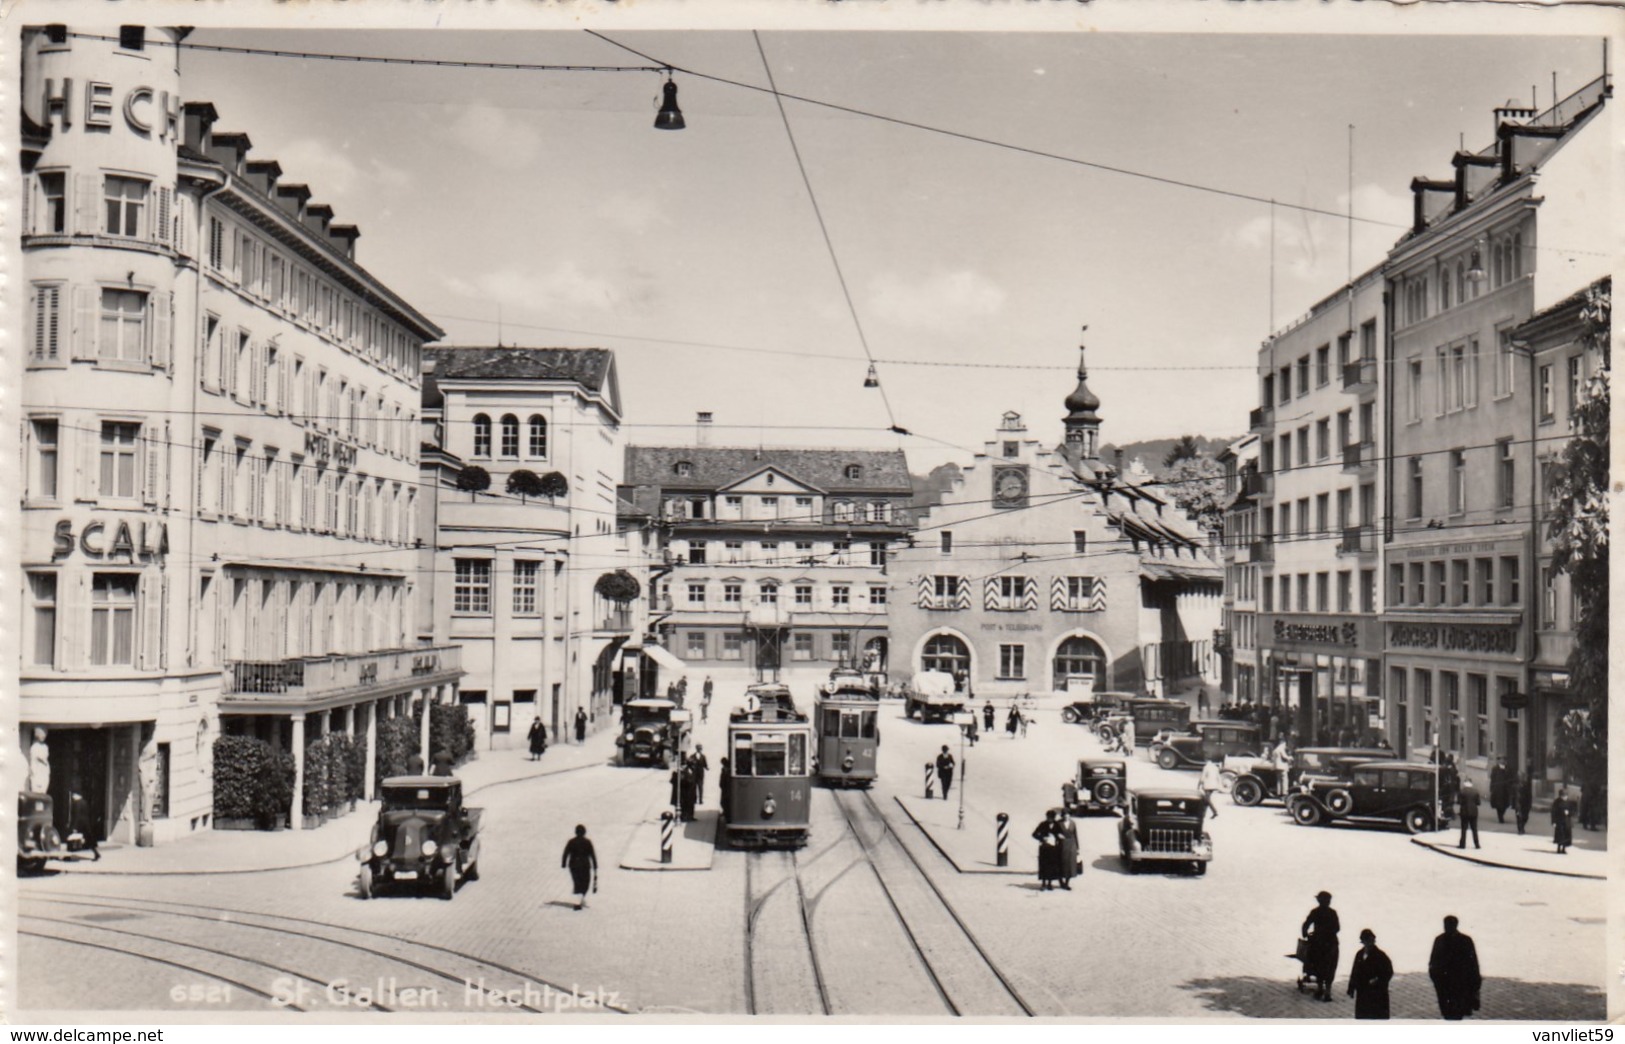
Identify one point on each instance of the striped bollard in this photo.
(1003, 838)
(930, 781)
(666, 822)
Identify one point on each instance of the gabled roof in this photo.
(588, 367)
(795, 485)
(712, 467)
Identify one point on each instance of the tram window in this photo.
(849, 725)
(798, 754)
(742, 764)
(770, 755)
(868, 724)
(832, 723)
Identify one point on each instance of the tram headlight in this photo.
(429, 848)
(380, 847)
(769, 807)
(847, 763)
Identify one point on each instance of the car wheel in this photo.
(1201, 869)
(471, 872)
(1227, 781)
(1246, 792)
(1069, 715)
(1306, 812)
(1339, 802)
(364, 881)
(1418, 820)
(1167, 759)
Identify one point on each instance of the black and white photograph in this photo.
(829, 513)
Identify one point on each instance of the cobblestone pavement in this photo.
(1151, 945)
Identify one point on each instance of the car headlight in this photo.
(429, 848)
(380, 847)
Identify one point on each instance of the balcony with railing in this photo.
(315, 678)
(1360, 375)
(1261, 551)
(617, 620)
(1357, 456)
(1258, 418)
(1357, 540)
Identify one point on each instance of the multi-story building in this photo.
(1470, 417)
(1315, 559)
(779, 556)
(1244, 558)
(218, 444)
(1040, 565)
(511, 576)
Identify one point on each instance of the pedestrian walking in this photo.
(701, 766)
(582, 862)
(686, 793)
(1369, 978)
(1070, 866)
(1011, 721)
(987, 717)
(1500, 789)
(707, 688)
(1048, 837)
(1069, 795)
(414, 764)
(1562, 821)
(538, 739)
(1212, 779)
(1453, 967)
(723, 777)
(1467, 801)
(1320, 960)
(945, 770)
(581, 725)
(1449, 780)
(1525, 797)
(1201, 703)
(442, 762)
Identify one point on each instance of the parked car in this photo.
(1154, 715)
(1257, 780)
(1102, 785)
(1093, 708)
(653, 732)
(39, 841)
(1164, 826)
(424, 832)
(1208, 741)
(1375, 792)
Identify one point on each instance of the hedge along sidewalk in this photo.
(256, 851)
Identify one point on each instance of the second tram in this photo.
(846, 723)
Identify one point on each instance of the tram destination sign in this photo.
(1468, 638)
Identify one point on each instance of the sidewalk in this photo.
(252, 851)
(693, 845)
(971, 849)
(1533, 851)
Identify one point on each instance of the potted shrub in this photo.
(554, 485)
(525, 483)
(473, 480)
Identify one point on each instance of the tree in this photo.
(1185, 449)
(554, 485)
(473, 480)
(1197, 485)
(619, 587)
(1579, 534)
(525, 483)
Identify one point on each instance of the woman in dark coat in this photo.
(1069, 847)
(1012, 721)
(581, 725)
(1048, 836)
(687, 791)
(582, 863)
(1321, 928)
(1500, 790)
(1562, 822)
(538, 739)
(1525, 799)
(1368, 979)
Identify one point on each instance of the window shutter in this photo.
(72, 620)
(149, 609)
(150, 460)
(964, 592)
(163, 215)
(284, 384)
(29, 205)
(85, 322)
(87, 204)
(990, 593)
(183, 224)
(1030, 593)
(163, 619)
(85, 480)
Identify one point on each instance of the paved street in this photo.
(894, 929)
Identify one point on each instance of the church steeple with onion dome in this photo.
(1082, 421)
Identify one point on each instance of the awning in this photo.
(665, 659)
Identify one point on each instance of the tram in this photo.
(766, 788)
(845, 720)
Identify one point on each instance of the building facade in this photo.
(220, 402)
(511, 576)
(1243, 561)
(1315, 559)
(1471, 416)
(1041, 565)
(779, 557)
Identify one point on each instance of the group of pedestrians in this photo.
(1452, 966)
(1058, 861)
(688, 783)
(536, 738)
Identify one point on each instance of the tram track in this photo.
(807, 979)
(190, 969)
(474, 967)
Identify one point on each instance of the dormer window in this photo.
(854, 471)
(682, 469)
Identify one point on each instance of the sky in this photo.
(549, 201)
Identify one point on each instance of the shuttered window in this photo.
(46, 344)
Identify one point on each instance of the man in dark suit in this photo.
(945, 770)
(1467, 802)
(1453, 967)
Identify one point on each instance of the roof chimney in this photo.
(702, 428)
(262, 174)
(293, 198)
(198, 119)
(343, 237)
(229, 148)
(317, 217)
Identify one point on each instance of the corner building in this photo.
(218, 443)
(1042, 564)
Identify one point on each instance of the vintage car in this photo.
(1093, 707)
(38, 839)
(424, 832)
(1153, 716)
(932, 696)
(1374, 792)
(1256, 780)
(1208, 741)
(653, 732)
(1102, 785)
(1164, 826)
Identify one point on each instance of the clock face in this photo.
(1010, 486)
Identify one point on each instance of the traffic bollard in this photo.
(1003, 838)
(666, 822)
(930, 781)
